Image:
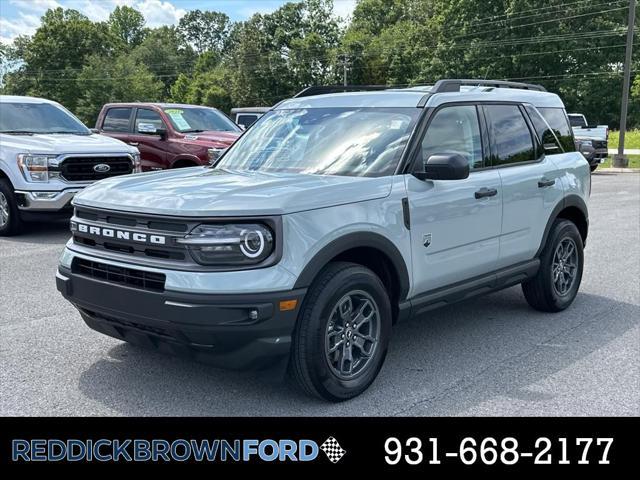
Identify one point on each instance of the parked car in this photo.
(47, 156)
(593, 141)
(169, 135)
(330, 220)
(246, 116)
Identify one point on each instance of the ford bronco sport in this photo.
(332, 218)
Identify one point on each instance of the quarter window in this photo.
(512, 141)
(557, 119)
(545, 133)
(454, 130)
(117, 120)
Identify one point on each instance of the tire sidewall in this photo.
(323, 378)
(562, 229)
(11, 227)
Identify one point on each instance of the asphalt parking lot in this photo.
(489, 356)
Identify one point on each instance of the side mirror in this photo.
(94, 130)
(444, 166)
(151, 129)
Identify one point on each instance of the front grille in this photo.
(119, 275)
(82, 169)
(599, 144)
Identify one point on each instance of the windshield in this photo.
(577, 121)
(38, 118)
(364, 142)
(189, 120)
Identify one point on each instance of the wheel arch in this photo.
(181, 162)
(572, 208)
(369, 249)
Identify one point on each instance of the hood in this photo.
(212, 137)
(64, 143)
(202, 191)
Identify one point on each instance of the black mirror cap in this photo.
(445, 166)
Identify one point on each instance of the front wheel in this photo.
(342, 333)
(10, 221)
(556, 284)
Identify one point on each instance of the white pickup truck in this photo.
(47, 155)
(591, 140)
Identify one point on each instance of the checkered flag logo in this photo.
(333, 450)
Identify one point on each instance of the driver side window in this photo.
(455, 130)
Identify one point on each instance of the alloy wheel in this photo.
(4, 210)
(564, 268)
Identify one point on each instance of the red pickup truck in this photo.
(169, 135)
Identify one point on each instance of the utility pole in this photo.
(344, 59)
(620, 160)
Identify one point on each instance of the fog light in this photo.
(44, 195)
(253, 315)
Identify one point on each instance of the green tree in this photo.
(205, 30)
(121, 79)
(127, 24)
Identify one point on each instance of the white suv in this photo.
(332, 218)
(46, 156)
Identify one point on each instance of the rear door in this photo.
(529, 181)
(455, 224)
(117, 123)
(153, 147)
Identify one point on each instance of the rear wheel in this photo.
(556, 284)
(10, 221)
(342, 333)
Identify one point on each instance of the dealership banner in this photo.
(429, 445)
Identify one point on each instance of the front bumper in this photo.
(43, 201)
(217, 329)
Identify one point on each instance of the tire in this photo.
(593, 167)
(10, 221)
(321, 327)
(543, 292)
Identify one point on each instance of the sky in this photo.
(22, 17)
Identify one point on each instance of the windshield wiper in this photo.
(195, 130)
(17, 132)
(68, 132)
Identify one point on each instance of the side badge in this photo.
(426, 239)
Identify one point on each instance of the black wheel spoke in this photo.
(564, 266)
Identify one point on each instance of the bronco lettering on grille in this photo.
(120, 234)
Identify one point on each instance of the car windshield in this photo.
(196, 119)
(364, 142)
(32, 118)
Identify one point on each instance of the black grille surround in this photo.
(83, 169)
(124, 276)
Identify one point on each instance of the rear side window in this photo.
(117, 120)
(557, 119)
(246, 120)
(512, 140)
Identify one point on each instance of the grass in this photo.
(631, 139)
(634, 161)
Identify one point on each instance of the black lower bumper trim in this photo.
(231, 331)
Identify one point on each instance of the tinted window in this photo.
(148, 116)
(511, 136)
(117, 120)
(353, 141)
(246, 120)
(39, 118)
(454, 130)
(544, 132)
(557, 118)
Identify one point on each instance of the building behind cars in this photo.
(47, 155)
(169, 135)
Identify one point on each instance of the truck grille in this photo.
(83, 169)
(119, 275)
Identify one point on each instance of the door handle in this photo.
(486, 192)
(134, 144)
(546, 183)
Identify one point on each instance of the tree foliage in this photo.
(573, 48)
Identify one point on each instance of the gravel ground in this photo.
(488, 356)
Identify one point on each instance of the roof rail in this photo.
(323, 89)
(453, 85)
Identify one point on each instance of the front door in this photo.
(152, 146)
(455, 224)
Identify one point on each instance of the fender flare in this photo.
(190, 158)
(571, 200)
(348, 242)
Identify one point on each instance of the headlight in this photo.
(235, 244)
(213, 154)
(35, 168)
(137, 165)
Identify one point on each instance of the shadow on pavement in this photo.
(453, 359)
